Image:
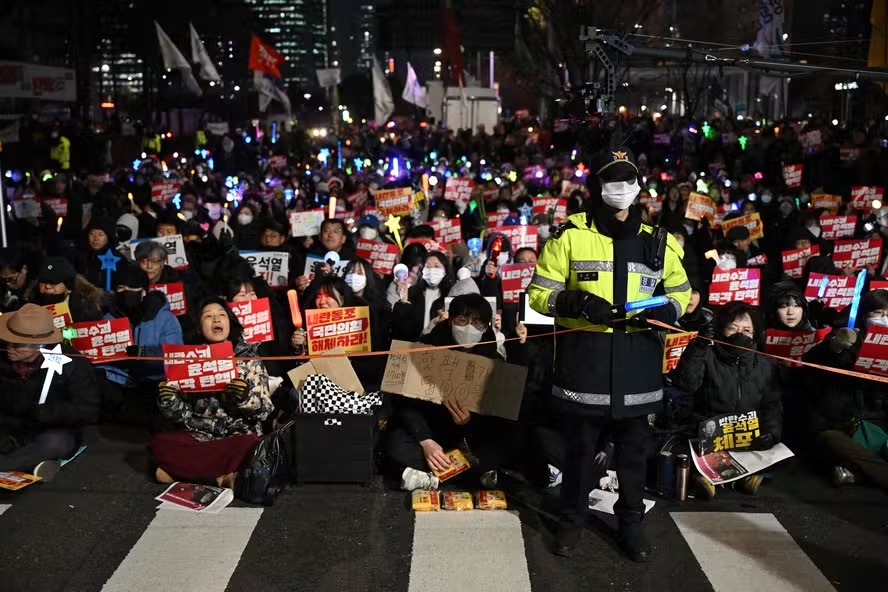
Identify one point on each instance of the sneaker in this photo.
(842, 476)
(749, 485)
(554, 477)
(47, 470)
(704, 488)
(489, 480)
(609, 482)
(412, 479)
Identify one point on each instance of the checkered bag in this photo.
(319, 394)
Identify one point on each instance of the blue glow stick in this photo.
(858, 291)
(647, 303)
(824, 283)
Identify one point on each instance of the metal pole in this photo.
(2, 209)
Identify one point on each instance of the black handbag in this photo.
(269, 469)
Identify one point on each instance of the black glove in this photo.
(597, 310)
(236, 390)
(764, 442)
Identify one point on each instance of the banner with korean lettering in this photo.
(255, 317)
(61, 314)
(700, 207)
(164, 191)
(837, 292)
(447, 231)
(173, 244)
(307, 223)
(358, 200)
(175, 294)
(495, 219)
(873, 356)
(459, 190)
(394, 202)
(59, 205)
(568, 187)
(833, 227)
(794, 260)
(826, 202)
(793, 344)
(382, 256)
(314, 262)
(544, 205)
(199, 368)
(862, 197)
(272, 266)
(857, 254)
(519, 236)
(758, 261)
(753, 222)
(792, 175)
(729, 285)
(727, 432)
(878, 285)
(277, 162)
(103, 341)
(515, 279)
(331, 328)
(674, 346)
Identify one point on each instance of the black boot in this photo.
(632, 539)
(567, 537)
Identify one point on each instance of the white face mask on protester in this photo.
(878, 321)
(368, 233)
(187, 214)
(620, 194)
(543, 231)
(433, 275)
(356, 282)
(245, 218)
(467, 335)
(815, 230)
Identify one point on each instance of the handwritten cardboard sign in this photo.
(519, 236)
(674, 346)
(833, 227)
(172, 244)
(447, 232)
(743, 285)
(103, 341)
(753, 222)
(307, 223)
(793, 344)
(480, 384)
(199, 368)
(873, 355)
(255, 317)
(857, 254)
(838, 293)
(163, 191)
(175, 294)
(862, 197)
(700, 207)
(382, 256)
(826, 201)
(794, 260)
(792, 175)
(394, 202)
(459, 190)
(272, 266)
(516, 277)
(330, 328)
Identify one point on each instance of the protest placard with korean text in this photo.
(277, 162)
(792, 175)
(331, 328)
(837, 293)
(272, 266)
(495, 219)
(448, 231)
(794, 260)
(700, 207)
(826, 201)
(255, 317)
(873, 357)
(729, 285)
(793, 344)
(674, 346)
(833, 227)
(728, 432)
(519, 236)
(163, 191)
(516, 277)
(544, 205)
(59, 205)
(199, 368)
(382, 256)
(61, 314)
(307, 223)
(857, 254)
(103, 341)
(459, 190)
(394, 202)
(314, 262)
(175, 295)
(753, 222)
(172, 244)
(862, 197)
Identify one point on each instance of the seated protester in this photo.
(368, 291)
(697, 317)
(247, 229)
(412, 256)
(152, 257)
(34, 436)
(168, 225)
(421, 432)
(13, 279)
(100, 237)
(413, 312)
(58, 282)
(216, 431)
(242, 288)
(490, 281)
(787, 309)
(841, 405)
(739, 243)
(724, 379)
(274, 237)
(334, 237)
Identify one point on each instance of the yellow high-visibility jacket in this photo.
(61, 153)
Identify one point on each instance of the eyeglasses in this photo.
(152, 260)
(463, 320)
(334, 230)
(737, 329)
(9, 279)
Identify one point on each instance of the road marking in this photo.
(741, 552)
(458, 551)
(186, 551)
(3, 508)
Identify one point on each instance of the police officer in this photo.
(608, 374)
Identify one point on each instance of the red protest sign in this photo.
(794, 260)
(700, 207)
(873, 355)
(654, 205)
(519, 236)
(332, 328)
(175, 294)
(675, 345)
(199, 368)
(255, 317)
(61, 314)
(757, 261)
(495, 219)
(458, 189)
(382, 256)
(836, 294)
(277, 162)
(728, 285)
(103, 341)
(394, 202)
(163, 191)
(833, 227)
(792, 175)
(516, 277)
(447, 231)
(857, 254)
(59, 205)
(826, 201)
(878, 285)
(753, 222)
(543, 205)
(429, 244)
(862, 197)
(568, 187)
(490, 194)
(793, 344)
(358, 199)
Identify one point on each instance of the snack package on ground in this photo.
(458, 464)
(492, 499)
(458, 501)
(426, 500)
(15, 480)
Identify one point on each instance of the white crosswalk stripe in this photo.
(3, 508)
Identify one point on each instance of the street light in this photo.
(437, 51)
(236, 88)
(306, 96)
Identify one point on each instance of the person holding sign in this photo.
(57, 282)
(416, 303)
(152, 257)
(216, 431)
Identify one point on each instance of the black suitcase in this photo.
(334, 448)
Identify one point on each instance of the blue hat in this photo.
(369, 220)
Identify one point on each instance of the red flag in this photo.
(452, 48)
(265, 58)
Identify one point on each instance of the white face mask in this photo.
(620, 194)
(187, 214)
(815, 230)
(245, 218)
(433, 275)
(368, 233)
(356, 282)
(467, 335)
(878, 321)
(502, 259)
(543, 231)
(727, 262)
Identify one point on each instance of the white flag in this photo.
(769, 41)
(200, 56)
(413, 92)
(328, 77)
(174, 60)
(269, 91)
(383, 105)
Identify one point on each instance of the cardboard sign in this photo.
(519, 236)
(272, 266)
(543, 205)
(862, 197)
(516, 277)
(459, 190)
(199, 368)
(674, 346)
(447, 232)
(175, 294)
(873, 355)
(833, 227)
(743, 285)
(794, 260)
(255, 316)
(59, 205)
(337, 369)
(172, 244)
(382, 256)
(793, 344)
(792, 175)
(103, 341)
(826, 201)
(753, 222)
(330, 328)
(857, 254)
(700, 207)
(839, 290)
(314, 262)
(306, 223)
(481, 385)
(277, 162)
(163, 191)
(61, 314)
(495, 219)
(394, 202)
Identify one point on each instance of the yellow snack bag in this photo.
(492, 500)
(426, 500)
(458, 464)
(458, 500)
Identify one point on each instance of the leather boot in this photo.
(632, 539)
(567, 537)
